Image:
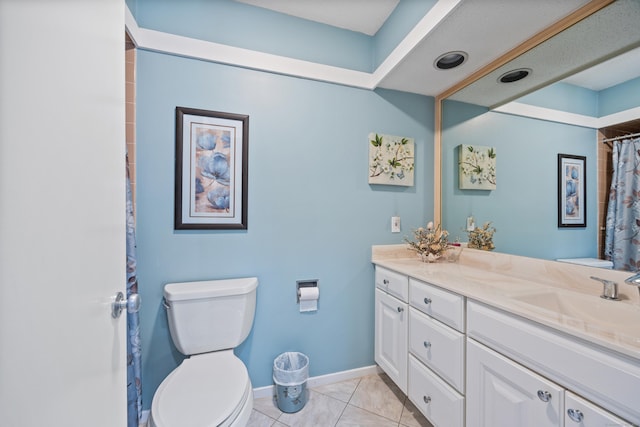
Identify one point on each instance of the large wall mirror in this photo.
(583, 86)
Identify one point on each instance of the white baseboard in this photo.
(335, 377)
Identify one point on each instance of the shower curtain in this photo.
(622, 236)
(134, 384)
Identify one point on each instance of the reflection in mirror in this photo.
(567, 117)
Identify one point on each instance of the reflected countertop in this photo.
(559, 295)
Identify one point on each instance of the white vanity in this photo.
(500, 340)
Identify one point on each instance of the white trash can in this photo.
(290, 374)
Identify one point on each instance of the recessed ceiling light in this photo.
(450, 60)
(514, 75)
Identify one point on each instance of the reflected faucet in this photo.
(634, 280)
(609, 289)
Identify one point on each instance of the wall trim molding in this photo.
(321, 380)
(549, 114)
(161, 42)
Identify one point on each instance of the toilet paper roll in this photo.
(308, 299)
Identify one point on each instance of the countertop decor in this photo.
(430, 242)
(482, 237)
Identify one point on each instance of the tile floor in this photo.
(372, 400)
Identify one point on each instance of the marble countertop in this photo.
(558, 295)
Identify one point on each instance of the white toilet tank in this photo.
(210, 315)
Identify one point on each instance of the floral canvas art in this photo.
(572, 191)
(477, 167)
(211, 169)
(391, 160)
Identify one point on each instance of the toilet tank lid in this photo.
(209, 288)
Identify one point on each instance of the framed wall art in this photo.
(391, 160)
(476, 167)
(572, 191)
(211, 169)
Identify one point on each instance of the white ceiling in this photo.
(485, 29)
(363, 16)
(609, 73)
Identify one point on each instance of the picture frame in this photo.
(391, 160)
(211, 169)
(572, 191)
(477, 167)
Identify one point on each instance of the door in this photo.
(582, 413)
(391, 333)
(62, 213)
(501, 393)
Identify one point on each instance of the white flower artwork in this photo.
(391, 160)
(477, 167)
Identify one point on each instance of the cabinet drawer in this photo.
(437, 346)
(443, 305)
(437, 401)
(394, 283)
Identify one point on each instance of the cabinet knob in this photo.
(385, 281)
(575, 415)
(427, 344)
(544, 395)
(400, 309)
(427, 300)
(426, 399)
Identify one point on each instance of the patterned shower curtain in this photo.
(622, 238)
(134, 383)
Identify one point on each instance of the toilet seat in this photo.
(206, 390)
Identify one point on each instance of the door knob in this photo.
(132, 304)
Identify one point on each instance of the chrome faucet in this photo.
(609, 289)
(634, 280)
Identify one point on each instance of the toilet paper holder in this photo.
(312, 283)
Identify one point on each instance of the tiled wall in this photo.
(130, 112)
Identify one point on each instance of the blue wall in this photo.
(564, 97)
(523, 207)
(245, 26)
(312, 213)
(619, 97)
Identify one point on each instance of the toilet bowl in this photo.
(211, 388)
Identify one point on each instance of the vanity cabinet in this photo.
(391, 325)
(467, 363)
(527, 362)
(501, 392)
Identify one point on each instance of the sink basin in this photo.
(594, 311)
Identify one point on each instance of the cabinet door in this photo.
(501, 393)
(582, 413)
(391, 337)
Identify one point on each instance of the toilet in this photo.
(210, 388)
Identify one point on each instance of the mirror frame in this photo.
(566, 22)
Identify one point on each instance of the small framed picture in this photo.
(572, 191)
(211, 169)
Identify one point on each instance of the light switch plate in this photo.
(395, 224)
